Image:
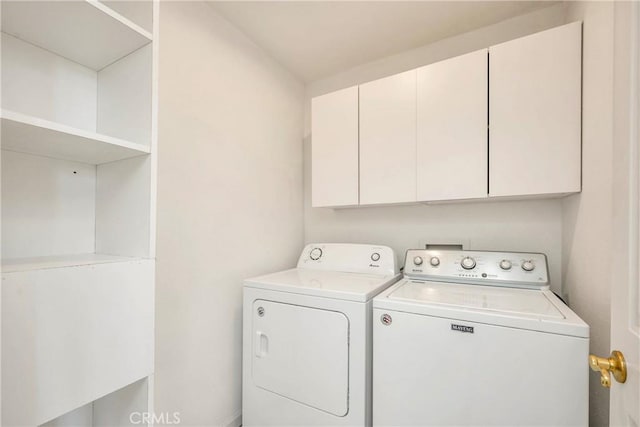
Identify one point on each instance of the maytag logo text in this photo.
(462, 328)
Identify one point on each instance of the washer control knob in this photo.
(435, 261)
(417, 260)
(468, 263)
(505, 264)
(528, 265)
(315, 254)
(375, 256)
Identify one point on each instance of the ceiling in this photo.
(315, 39)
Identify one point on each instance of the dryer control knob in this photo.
(315, 254)
(417, 260)
(375, 256)
(468, 263)
(528, 265)
(505, 264)
(435, 261)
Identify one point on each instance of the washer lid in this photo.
(537, 310)
(521, 302)
(329, 284)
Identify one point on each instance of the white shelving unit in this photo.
(77, 126)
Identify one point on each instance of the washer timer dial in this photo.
(505, 264)
(315, 254)
(528, 265)
(468, 263)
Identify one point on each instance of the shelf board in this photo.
(87, 31)
(59, 261)
(32, 135)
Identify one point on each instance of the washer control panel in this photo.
(512, 269)
(349, 258)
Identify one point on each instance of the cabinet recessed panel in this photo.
(302, 353)
(38, 83)
(124, 98)
(388, 139)
(48, 206)
(452, 112)
(535, 115)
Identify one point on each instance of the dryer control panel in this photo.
(349, 258)
(512, 269)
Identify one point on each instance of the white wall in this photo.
(229, 183)
(533, 225)
(587, 217)
(229, 202)
(567, 230)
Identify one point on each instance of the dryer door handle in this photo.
(261, 344)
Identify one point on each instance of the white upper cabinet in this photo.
(334, 149)
(388, 140)
(535, 114)
(452, 142)
(499, 122)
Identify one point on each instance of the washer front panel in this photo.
(435, 371)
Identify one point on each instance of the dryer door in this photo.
(302, 353)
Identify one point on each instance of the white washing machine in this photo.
(477, 338)
(307, 337)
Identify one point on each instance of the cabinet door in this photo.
(334, 148)
(388, 139)
(452, 123)
(535, 112)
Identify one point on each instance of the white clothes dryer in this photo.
(471, 338)
(307, 337)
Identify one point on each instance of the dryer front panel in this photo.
(302, 353)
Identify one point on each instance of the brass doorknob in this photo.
(615, 365)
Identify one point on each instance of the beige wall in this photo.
(587, 217)
(533, 225)
(229, 203)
